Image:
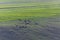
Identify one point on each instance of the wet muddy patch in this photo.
(30, 30)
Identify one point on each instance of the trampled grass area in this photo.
(21, 11)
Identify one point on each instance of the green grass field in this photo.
(26, 10)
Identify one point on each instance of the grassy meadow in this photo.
(27, 10)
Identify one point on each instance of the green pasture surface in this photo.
(27, 10)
